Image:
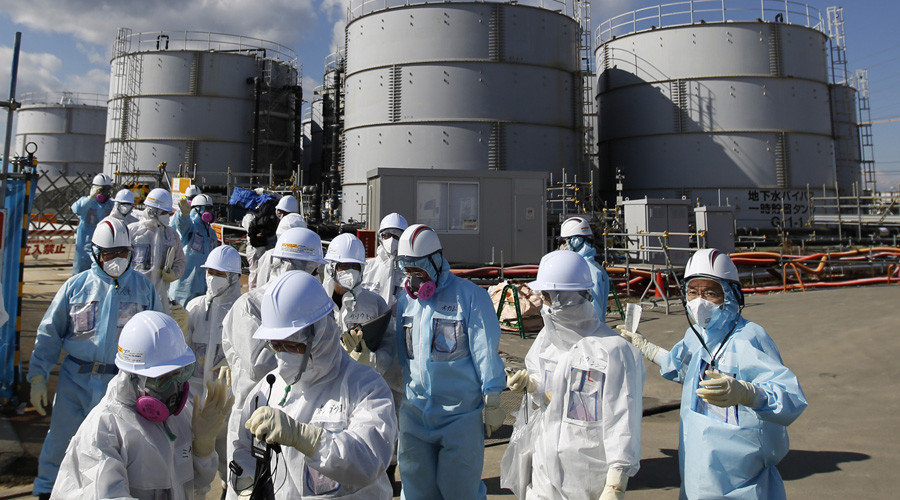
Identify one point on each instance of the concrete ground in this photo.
(842, 343)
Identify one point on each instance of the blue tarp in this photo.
(246, 198)
(12, 246)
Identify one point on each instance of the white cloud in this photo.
(38, 71)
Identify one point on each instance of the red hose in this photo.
(818, 284)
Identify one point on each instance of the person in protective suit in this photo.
(331, 418)
(84, 320)
(145, 439)
(90, 210)
(198, 239)
(260, 237)
(578, 237)
(737, 398)
(585, 385)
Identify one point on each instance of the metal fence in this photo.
(51, 232)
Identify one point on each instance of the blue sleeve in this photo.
(484, 341)
(601, 290)
(182, 224)
(78, 206)
(760, 364)
(50, 334)
(675, 365)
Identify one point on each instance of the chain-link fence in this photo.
(51, 233)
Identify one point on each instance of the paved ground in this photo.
(842, 343)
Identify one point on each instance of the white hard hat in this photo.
(224, 258)
(299, 243)
(201, 200)
(292, 302)
(289, 221)
(111, 233)
(393, 221)
(192, 190)
(288, 204)
(562, 270)
(151, 344)
(346, 248)
(711, 263)
(159, 198)
(418, 240)
(101, 180)
(575, 226)
(124, 196)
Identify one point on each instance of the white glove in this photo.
(616, 482)
(647, 348)
(169, 276)
(39, 394)
(521, 381)
(493, 414)
(184, 206)
(274, 426)
(725, 390)
(350, 339)
(210, 420)
(180, 315)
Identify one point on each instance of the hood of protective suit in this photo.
(122, 389)
(565, 326)
(229, 295)
(324, 352)
(724, 319)
(587, 251)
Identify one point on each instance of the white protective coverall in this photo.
(354, 407)
(358, 306)
(117, 453)
(381, 277)
(595, 381)
(150, 242)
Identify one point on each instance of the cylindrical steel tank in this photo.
(458, 85)
(208, 99)
(847, 153)
(718, 105)
(68, 129)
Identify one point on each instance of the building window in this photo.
(448, 206)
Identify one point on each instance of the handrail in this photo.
(64, 98)
(359, 8)
(690, 12)
(206, 41)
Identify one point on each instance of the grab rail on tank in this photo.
(359, 8)
(64, 98)
(208, 41)
(690, 12)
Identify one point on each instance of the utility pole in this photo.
(11, 105)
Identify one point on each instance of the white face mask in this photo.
(347, 278)
(391, 246)
(702, 310)
(291, 366)
(125, 209)
(115, 267)
(215, 285)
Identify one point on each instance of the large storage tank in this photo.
(847, 154)
(68, 129)
(724, 104)
(458, 85)
(208, 99)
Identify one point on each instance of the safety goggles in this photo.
(565, 298)
(694, 290)
(176, 378)
(412, 265)
(114, 253)
(287, 346)
(388, 234)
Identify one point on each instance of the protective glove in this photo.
(274, 426)
(39, 394)
(350, 339)
(180, 315)
(521, 381)
(209, 420)
(647, 348)
(363, 354)
(724, 390)
(169, 276)
(616, 482)
(184, 206)
(493, 414)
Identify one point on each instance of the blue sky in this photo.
(67, 43)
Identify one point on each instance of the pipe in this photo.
(820, 284)
(11, 106)
(254, 144)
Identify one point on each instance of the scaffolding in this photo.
(588, 110)
(127, 74)
(866, 142)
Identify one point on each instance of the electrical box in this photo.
(718, 223)
(647, 219)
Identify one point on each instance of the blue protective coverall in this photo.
(85, 319)
(600, 291)
(732, 452)
(89, 212)
(448, 351)
(197, 240)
